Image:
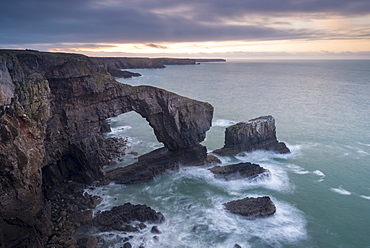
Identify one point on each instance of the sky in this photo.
(190, 28)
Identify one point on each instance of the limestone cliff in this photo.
(53, 108)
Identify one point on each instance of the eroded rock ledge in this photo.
(158, 162)
(53, 108)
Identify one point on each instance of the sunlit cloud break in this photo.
(191, 27)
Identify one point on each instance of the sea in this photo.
(321, 189)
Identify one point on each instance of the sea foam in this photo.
(297, 169)
(364, 144)
(119, 131)
(341, 191)
(223, 123)
(365, 197)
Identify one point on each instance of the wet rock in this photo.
(238, 171)
(158, 162)
(155, 230)
(122, 215)
(213, 159)
(127, 245)
(142, 226)
(126, 228)
(256, 134)
(252, 207)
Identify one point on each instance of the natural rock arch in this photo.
(53, 110)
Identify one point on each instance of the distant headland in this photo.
(116, 65)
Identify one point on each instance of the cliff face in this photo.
(53, 109)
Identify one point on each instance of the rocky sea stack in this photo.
(255, 134)
(53, 111)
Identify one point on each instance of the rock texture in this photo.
(119, 218)
(158, 162)
(256, 134)
(252, 207)
(239, 171)
(70, 208)
(53, 109)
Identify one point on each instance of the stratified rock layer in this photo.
(53, 111)
(252, 207)
(256, 134)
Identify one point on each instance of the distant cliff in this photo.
(141, 63)
(210, 60)
(115, 65)
(53, 111)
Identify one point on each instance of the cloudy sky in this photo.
(190, 28)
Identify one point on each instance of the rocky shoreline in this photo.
(53, 112)
(53, 119)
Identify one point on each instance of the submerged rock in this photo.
(238, 171)
(256, 134)
(252, 207)
(155, 230)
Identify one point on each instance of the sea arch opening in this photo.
(139, 136)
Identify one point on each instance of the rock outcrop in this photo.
(239, 171)
(122, 74)
(255, 134)
(252, 207)
(53, 111)
(119, 218)
(158, 162)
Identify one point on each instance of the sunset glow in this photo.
(332, 29)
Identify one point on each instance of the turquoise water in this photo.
(321, 190)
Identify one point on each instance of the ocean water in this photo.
(321, 189)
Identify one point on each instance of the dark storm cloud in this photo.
(148, 21)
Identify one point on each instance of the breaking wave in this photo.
(341, 191)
